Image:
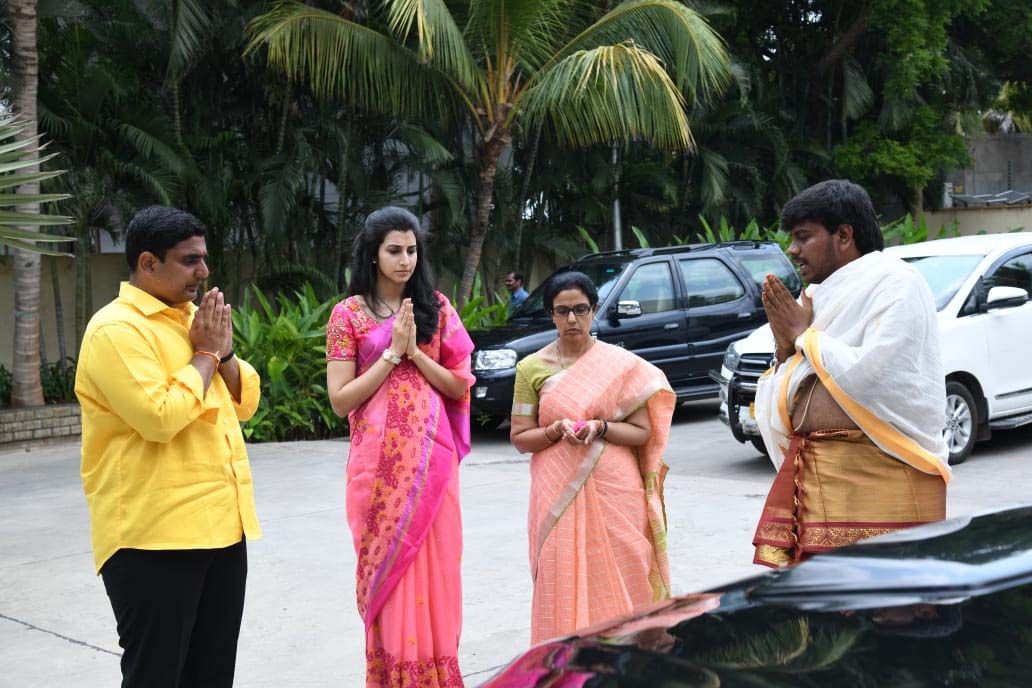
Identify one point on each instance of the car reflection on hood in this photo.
(948, 603)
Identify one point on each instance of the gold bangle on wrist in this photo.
(547, 438)
(214, 355)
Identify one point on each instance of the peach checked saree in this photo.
(597, 521)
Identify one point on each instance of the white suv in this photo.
(981, 286)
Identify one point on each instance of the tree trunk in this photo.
(521, 206)
(490, 152)
(845, 43)
(27, 388)
(917, 203)
(617, 220)
(55, 284)
(82, 273)
(177, 116)
(342, 186)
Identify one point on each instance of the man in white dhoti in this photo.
(853, 407)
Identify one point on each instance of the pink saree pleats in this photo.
(403, 510)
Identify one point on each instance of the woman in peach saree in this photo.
(597, 419)
(399, 368)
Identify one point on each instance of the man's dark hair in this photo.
(570, 280)
(518, 276)
(837, 202)
(156, 229)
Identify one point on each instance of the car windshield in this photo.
(604, 275)
(945, 274)
(773, 262)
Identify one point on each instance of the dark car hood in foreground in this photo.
(945, 604)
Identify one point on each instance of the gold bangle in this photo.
(549, 439)
(214, 355)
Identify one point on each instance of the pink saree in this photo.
(597, 522)
(403, 502)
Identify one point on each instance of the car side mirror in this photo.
(628, 309)
(1005, 297)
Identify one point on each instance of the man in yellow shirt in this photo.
(164, 465)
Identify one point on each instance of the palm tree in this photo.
(27, 388)
(622, 76)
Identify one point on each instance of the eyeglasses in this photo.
(580, 310)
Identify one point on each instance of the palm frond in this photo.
(439, 40)
(152, 148)
(281, 179)
(528, 31)
(423, 145)
(14, 200)
(857, 95)
(692, 51)
(13, 223)
(158, 182)
(608, 94)
(714, 186)
(338, 58)
(190, 30)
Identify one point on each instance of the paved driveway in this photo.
(300, 624)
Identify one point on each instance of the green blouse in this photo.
(531, 375)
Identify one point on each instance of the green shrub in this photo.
(906, 231)
(476, 315)
(58, 383)
(6, 385)
(286, 344)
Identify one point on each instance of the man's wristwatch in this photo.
(391, 357)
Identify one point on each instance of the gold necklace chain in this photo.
(559, 351)
(385, 305)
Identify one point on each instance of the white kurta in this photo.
(874, 343)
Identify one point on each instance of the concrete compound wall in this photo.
(998, 163)
(991, 220)
(107, 271)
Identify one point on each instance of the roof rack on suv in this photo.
(684, 248)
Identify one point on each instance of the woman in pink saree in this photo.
(398, 365)
(597, 419)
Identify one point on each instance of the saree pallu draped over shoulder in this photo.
(597, 521)
(403, 504)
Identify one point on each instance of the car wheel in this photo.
(961, 422)
(760, 446)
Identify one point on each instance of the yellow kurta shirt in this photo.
(164, 465)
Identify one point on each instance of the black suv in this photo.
(678, 307)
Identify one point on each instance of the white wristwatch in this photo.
(391, 357)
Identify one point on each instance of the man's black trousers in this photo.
(178, 614)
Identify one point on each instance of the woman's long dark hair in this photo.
(420, 288)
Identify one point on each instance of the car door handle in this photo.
(671, 326)
(743, 316)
